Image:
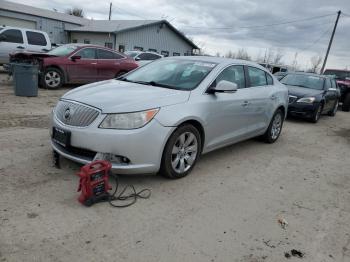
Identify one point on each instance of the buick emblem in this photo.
(67, 114)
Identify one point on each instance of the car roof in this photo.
(338, 70)
(79, 45)
(21, 28)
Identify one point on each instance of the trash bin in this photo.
(25, 79)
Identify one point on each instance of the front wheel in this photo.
(274, 130)
(181, 152)
(317, 114)
(52, 78)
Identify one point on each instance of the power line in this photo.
(316, 41)
(266, 25)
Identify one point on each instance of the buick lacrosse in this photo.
(161, 117)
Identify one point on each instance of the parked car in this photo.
(143, 58)
(13, 39)
(77, 63)
(161, 117)
(311, 95)
(343, 80)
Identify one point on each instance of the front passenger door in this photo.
(83, 70)
(11, 41)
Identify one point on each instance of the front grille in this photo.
(292, 99)
(75, 114)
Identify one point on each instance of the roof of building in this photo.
(118, 26)
(26, 9)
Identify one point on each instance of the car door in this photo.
(83, 69)
(262, 98)
(37, 42)
(11, 40)
(229, 114)
(108, 64)
(330, 95)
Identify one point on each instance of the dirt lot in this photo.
(226, 210)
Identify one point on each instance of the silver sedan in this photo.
(163, 116)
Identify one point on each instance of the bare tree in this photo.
(315, 63)
(230, 54)
(243, 54)
(218, 54)
(278, 56)
(76, 12)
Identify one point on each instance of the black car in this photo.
(311, 95)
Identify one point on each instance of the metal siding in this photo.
(95, 38)
(54, 28)
(161, 39)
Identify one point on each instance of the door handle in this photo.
(20, 47)
(245, 103)
(273, 97)
(94, 63)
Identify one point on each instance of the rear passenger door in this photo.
(11, 41)
(262, 97)
(37, 42)
(108, 64)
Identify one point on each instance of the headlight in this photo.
(306, 100)
(128, 120)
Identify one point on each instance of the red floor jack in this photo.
(94, 186)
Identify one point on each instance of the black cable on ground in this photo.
(121, 197)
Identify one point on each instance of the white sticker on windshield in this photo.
(205, 64)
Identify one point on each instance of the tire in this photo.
(178, 158)
(317, 113)
(346, 103)
(53, 78)
(334, 109)
(274, 130)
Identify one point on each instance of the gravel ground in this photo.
(226, 210)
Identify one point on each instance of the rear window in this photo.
(338, 74)
(35, 38)
(257, 77)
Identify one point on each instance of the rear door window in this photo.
(105, 54)
(35, 38)
(257, 77)
(12, 36)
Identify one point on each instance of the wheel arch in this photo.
(65, 77)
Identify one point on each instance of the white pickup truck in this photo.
(14, 39)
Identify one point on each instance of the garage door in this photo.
(9, 21)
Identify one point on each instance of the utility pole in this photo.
(110, 11)
(330, 42)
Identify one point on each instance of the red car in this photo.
(78, 63)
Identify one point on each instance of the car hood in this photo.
(113, 96)
(302, 91)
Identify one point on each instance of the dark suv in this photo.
(343, 80)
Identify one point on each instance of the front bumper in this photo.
(143, 147)
(302, 109)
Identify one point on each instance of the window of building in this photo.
(87, 53)
(176, 54)
(152, 50)
(269, 79)
(138, 48)
(165, 53)
(86, 41)
(12, 36)
(257, 77)
(105, 54)
(35, 38)
(109, 45)
(74, 41)
(234, 74)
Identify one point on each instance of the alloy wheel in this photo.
(184, 152)
(276, 126)
(52, 79)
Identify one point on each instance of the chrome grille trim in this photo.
(292, 99)
(79, 115)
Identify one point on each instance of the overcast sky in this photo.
(216, 26)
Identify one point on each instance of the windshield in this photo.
(171, 73)
(307, 81)
(338, 74)
(62, 50)
(132, 54)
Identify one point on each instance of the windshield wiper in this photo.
(150, 83)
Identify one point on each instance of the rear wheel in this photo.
(52, 78)
(317, 114)
(274, 130)
(181, 152)
(335, 108)
(346, 103)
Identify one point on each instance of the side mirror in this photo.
(2, 38)
(137, 58)
(75, 57)
(224, 87)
